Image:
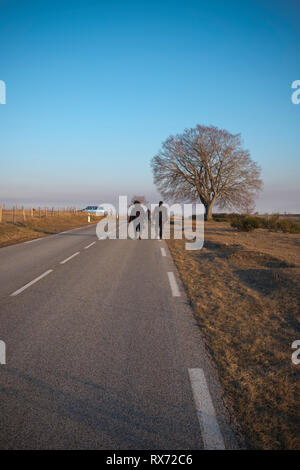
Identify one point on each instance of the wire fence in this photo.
(17, 214)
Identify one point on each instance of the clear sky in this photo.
(94, 87)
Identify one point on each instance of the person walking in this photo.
(138, 217)
(160, 218)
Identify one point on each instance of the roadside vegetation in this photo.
(40, 224)
(248, 223)
(244, 289)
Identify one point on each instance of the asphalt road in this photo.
(103, 351)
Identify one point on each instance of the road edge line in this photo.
(210, 431)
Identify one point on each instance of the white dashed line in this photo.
(70, 257)
(163, 252)
(31, 283)
(210, 431)
(173, 284)
(91, 244)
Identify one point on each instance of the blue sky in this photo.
(94, 87)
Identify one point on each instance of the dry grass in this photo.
(40, 227)
(244, 288)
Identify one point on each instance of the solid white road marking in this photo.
(211, 434)
(70, 257)
(163, 252)
(173, 284)
(91, 244)
(31, 283)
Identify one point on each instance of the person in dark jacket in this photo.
(138, 218)
(160, 216)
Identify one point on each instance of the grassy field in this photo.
(40, 226)
(244, 289)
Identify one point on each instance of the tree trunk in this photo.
(208, 211)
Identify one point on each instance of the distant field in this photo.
(18, 226)
(244, 289)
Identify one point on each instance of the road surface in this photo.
(102, 350)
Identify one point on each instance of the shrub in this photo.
(220, 217)
(245, 223)
(271, 222)
(249, 223)
(288, 226)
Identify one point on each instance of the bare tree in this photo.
(209, 164)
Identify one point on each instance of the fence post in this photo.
(23, 214)
(31, 211)
(39, 212)
(0, 214)
(45, 211)
(14, 214)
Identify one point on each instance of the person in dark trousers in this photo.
(160, 218)
(138, 218)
